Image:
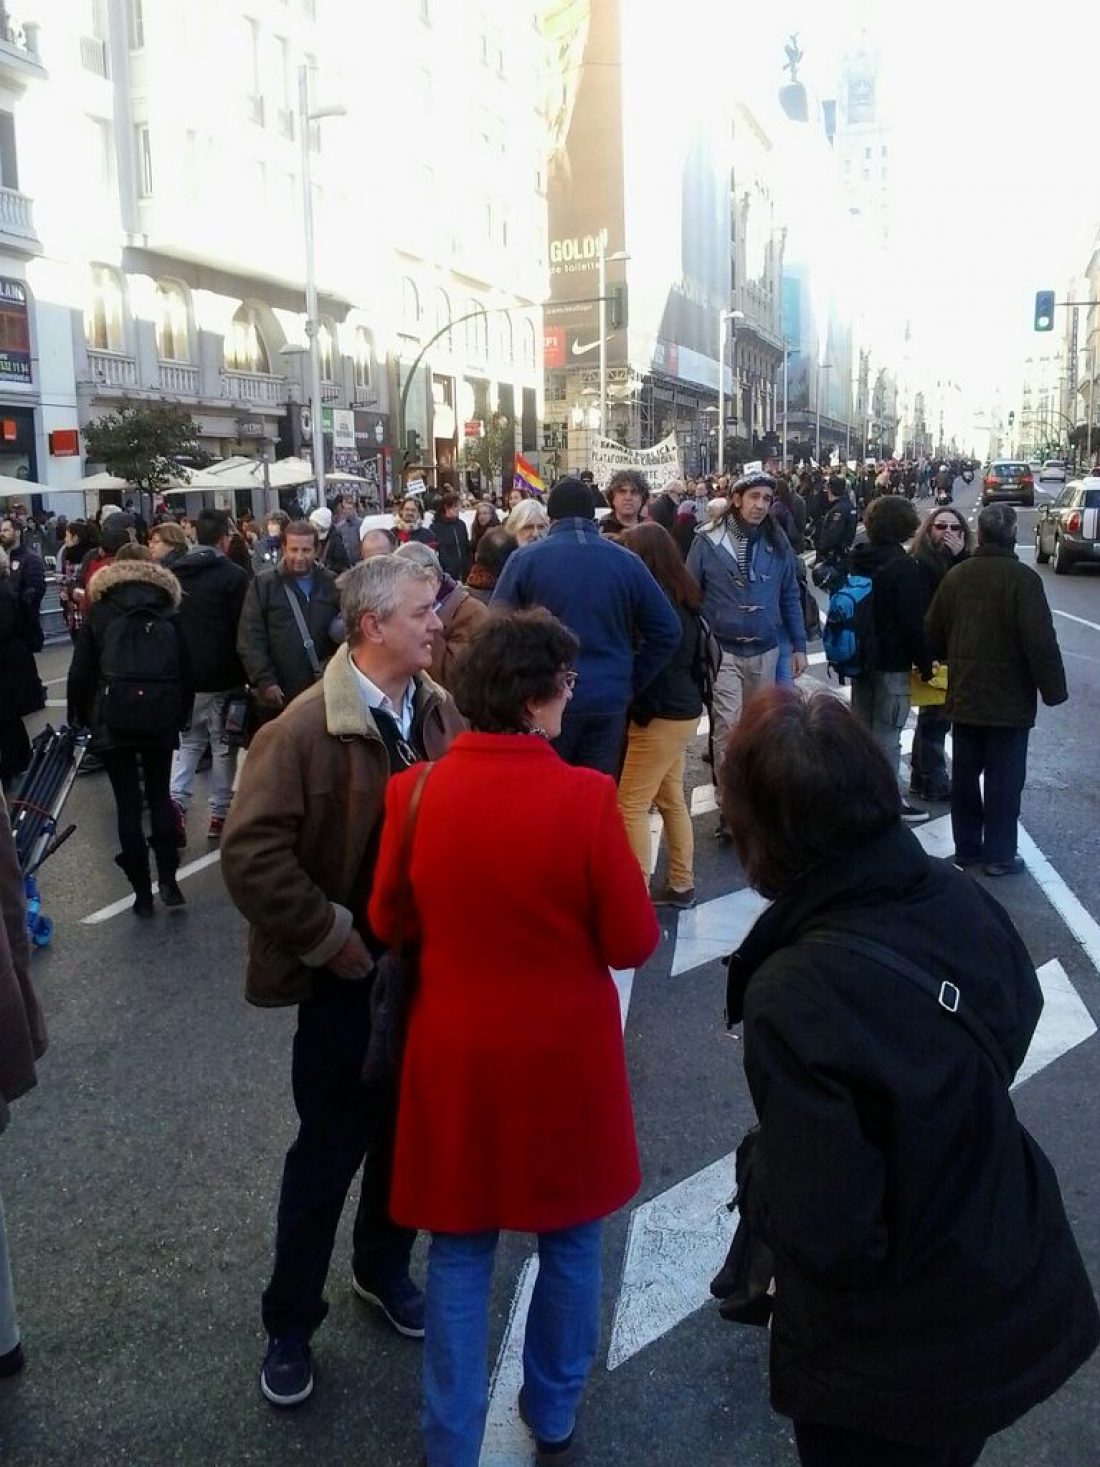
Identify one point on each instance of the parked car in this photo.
(1009, 479)
(1067, 529)
(1054, 468)
(1035, 465)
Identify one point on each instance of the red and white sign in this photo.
(553, 346)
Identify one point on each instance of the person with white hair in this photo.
(461, 614)
(527, 522)
(298, 855)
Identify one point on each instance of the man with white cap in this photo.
(332, 553)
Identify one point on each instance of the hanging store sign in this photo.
(15, 334)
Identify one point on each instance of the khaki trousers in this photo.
(738, 678)
(653, 773)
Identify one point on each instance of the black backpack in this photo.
(141, 674)
(707, 660)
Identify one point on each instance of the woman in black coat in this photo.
(928, 1289)
(943, 540)
(21, 690)
(135, 714)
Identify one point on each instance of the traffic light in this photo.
(1044, 310)
(412, 446)
(616, 307)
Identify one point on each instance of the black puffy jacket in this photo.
(928, 1287)
(210, 610)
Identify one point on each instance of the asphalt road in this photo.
(140, 1177)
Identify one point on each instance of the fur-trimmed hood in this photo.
(135, 572)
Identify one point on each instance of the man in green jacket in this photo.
(990, 622)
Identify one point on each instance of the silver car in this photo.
(1067, 529)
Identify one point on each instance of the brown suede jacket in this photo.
(302, 823)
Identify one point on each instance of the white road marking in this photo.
(125, 903)
(1081, 923)
(677, 1243)
(714, 928)
(678, 1240)
(56, 703)
(1080, 620)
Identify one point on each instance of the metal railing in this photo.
(112, 369)
(254, 387)
(179, 377)
(330, 392)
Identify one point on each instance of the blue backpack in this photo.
(849, 637)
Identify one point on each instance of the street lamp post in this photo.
(602, 258)
(723, 317)
(822, 367)
(313, 324)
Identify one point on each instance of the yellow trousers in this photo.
(653, 773)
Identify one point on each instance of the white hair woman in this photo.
(528, 521)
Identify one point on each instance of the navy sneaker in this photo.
(547, 1454)
(286, 1376)
(400, 1301)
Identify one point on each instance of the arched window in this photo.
(363, 354)
(326, 348)
(529, 343)
(505, 339)
(443, 317)
(103, 314)
(410, 303)
(173, 331)
(244, 345)
(477, 332)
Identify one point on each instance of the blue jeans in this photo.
(593, 741)
(563, 1332)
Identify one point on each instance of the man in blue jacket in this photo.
(745, 566)
(627, 627)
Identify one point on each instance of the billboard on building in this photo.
(677, 187)
(15, 336)
(585, 177)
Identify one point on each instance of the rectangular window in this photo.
(144, 158)
(137, 26)
(9, 171)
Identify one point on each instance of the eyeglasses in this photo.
(569, 679)
(945, 525)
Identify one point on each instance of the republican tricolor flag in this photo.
(526, 476)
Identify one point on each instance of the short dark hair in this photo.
(277, 517)
(837, 483)
(211, 526)
(802, 781)
(517, 658)
(890, 520)
(300, 527)
(997, 525)
(494, 548)
(449, 499)
(628, 479)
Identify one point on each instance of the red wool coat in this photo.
(514, 1111)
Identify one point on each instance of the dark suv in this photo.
(1009, 479)
(1068, 528)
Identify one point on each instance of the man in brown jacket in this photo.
(298, 855)
(22, 1041)
(990, 622)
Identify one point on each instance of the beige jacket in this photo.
(299, 833)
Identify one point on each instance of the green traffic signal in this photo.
(1044, 310)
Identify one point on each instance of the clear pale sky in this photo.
(997, 191)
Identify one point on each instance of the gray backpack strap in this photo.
(307, 640)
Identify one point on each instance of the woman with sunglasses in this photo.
(514, 1111)
(943, 540)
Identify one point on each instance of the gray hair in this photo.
(527, 513)
(997, 525)
(373, 586)
(420, 554)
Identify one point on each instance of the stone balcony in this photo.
(112, 370)
(19, 58)
(179, 379)
(258, 387)
(17, 233)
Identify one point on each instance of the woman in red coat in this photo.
(514, 1108)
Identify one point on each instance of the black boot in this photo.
(167, 865)
(137, 873)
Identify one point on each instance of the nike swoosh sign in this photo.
(579, 350)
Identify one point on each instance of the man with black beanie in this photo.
(627, 627)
